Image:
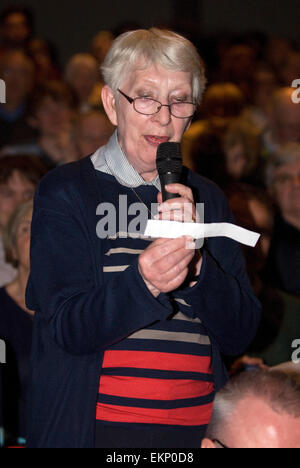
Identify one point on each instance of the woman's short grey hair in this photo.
(143, 48)
(280, 391)
(285, 155)
(11, 230)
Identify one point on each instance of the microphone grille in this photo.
(168, 158)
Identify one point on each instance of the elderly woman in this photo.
(16, 326)
(129, 333)
(283, 180)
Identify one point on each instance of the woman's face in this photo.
(22, 242)
(140, 135)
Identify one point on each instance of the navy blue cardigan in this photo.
(78, 317)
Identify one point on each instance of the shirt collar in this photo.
(111, 160)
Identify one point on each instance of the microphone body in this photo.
(169, 166)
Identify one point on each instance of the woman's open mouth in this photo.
(156, 140)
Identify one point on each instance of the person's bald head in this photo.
(257, 409)
(285, 117)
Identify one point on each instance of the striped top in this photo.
(161, 374)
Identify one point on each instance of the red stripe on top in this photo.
(194, 416)
(157, 361)
(153, 389)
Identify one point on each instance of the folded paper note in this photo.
(174, 229)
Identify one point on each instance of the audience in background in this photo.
(283, 179)
(19, 177)
(16, 28)
(17, 71)
(82, 75)
(248, 123)
(92, 130)
(52, 115)
(16, 327)
(256, 409)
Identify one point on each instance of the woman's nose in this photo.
(164, 115)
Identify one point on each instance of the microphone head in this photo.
(168, 158)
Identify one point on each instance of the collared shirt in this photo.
(110, 159)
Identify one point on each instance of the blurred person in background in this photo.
(92, 130)
(82, 75)
(45, 57)
(283, 180)
(291, 69)
(258, 409)
(16, 327)
(254, 209)
(242, 149)
(276, 52)
(100, 45)
(16, 28)
(52, 114)
(19, 177)
(17, 71)
(222, 102)
(283, 122)
(264, 83)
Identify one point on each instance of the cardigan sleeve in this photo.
(80, 316)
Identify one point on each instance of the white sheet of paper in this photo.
(173, 229)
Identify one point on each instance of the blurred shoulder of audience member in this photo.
(17, 71)
(100, 45)
(19, 176)
(283, 122)
(82, 73)
(283, 180)
(53, 111)
(242, 149)
(45, 57)
(92, 130)
(16, 325)
(264, 83)
(16, 27)
(256, 409)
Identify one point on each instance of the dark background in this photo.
(71, 24)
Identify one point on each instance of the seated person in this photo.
(19, 176)
(52, 114)
(16, 27)
(17, 71)
(16, 327)
(92, 130)
(82, 75)
(256, 409)
(283, 179)
(280, 323)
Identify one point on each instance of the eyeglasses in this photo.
(286, 179)
(148, 106)
(223, 446)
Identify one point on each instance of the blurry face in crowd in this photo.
(286, 122)
(83, 80)
(15, 29)
(286, 189)
(236, 161)
(12, 194)
(93, 132)
(17, 72)
(139, 135)
(21, 250)
(255, 425)
(52, 117)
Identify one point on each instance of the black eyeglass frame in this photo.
(223, 446)
(132, 101)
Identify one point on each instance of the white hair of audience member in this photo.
(285, 155)
(277, 389)
(140, 49)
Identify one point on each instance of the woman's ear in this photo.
(109, 104)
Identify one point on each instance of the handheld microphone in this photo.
(169, 166)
